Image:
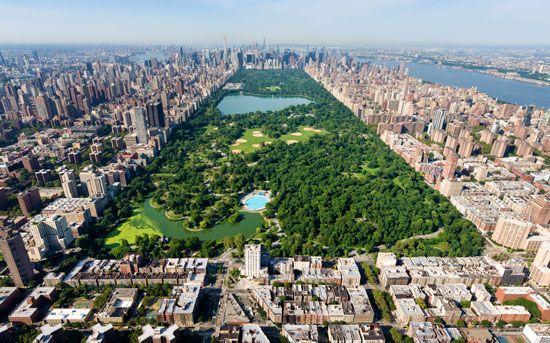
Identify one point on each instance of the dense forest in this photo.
(343, 189)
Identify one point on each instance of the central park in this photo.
(334, 185)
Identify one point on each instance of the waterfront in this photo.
(239, 104)
(516, 92)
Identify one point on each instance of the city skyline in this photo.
(328, 23)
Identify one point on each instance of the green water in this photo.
(239, 104)
(247, 226)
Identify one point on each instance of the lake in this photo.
(240, 104)
(512, 91)
(152, 221)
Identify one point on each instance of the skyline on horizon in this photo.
(348, 23)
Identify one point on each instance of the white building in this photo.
(537, 333)
(252, 260)
(51, 232)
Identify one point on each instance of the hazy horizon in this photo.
(347, 23)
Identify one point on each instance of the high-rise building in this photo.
(545, 120)
(511, 232)
(155, 115)
(16, 257)
(540, 271)
(450, 166)
(180, 87)
(69, 184)
(4, 193)
(538, 210)
(51, 232)
(44, 107)
(35, 56)
(74, 157)
(127, 119)
(499, 146)
(528, 115)
(139, 123)
(252, 260)
(30, 163)
(466, 147)
(96, 183)
(439, 119)
(29, 201)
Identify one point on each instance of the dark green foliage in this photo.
(339, 190)
(380, 300)
(529, 306)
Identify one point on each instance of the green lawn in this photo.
(273, 88)
(136, 225)
(83, 303)
(210, 129)
(253, 139)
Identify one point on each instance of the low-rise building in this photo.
(159, 334)
(68, 315)
(51, 334)
(33, 308)
(119, 307)
(358, 333)
(296, 333)
(102, 334)
(181, 307)
(537, 333)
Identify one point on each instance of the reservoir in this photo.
(516, 92)
(240, 104)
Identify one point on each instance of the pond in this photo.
(149, 220)
(239, 104)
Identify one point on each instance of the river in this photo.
(516, 92)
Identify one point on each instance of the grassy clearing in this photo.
(273, 89)
(210, 129)
(136, 225)
(253, 139)
(83, 303)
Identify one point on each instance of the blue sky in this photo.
(315, 22)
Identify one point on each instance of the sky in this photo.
(353, 23)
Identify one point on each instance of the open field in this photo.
(136, 225)
(273, 88)
(83, 303)
(253, 139)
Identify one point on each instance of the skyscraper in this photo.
(138, 121)
(180, 87)
(155, 115)
(528, 115)
(16, 257)
(252, 260)
(439, 119)
(43, 107)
